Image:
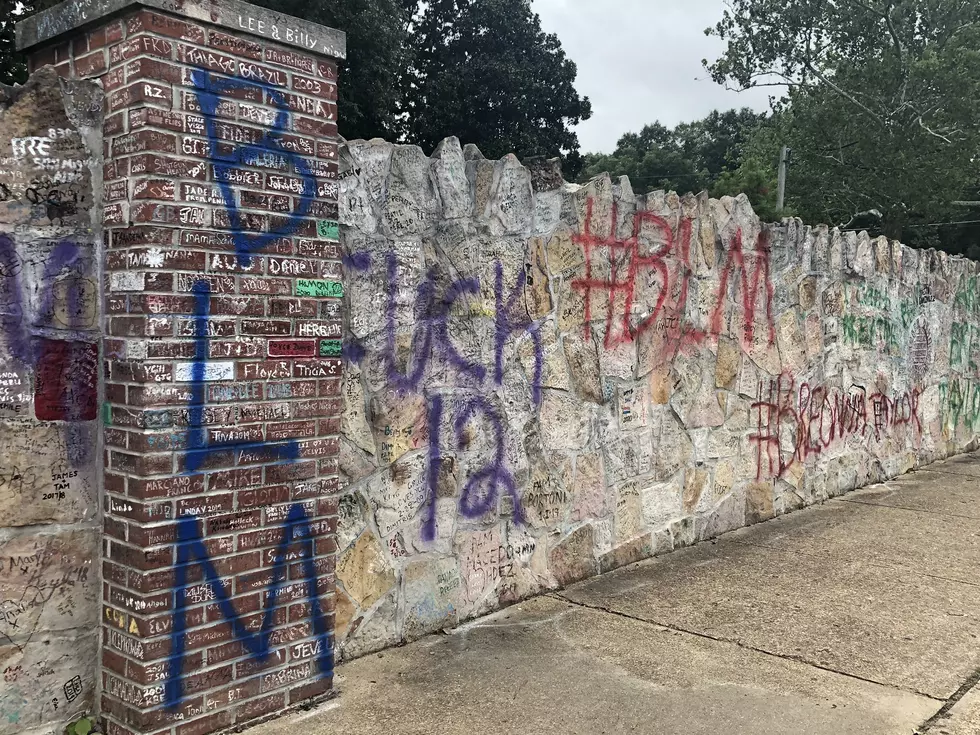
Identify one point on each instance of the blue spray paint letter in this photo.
(297, 531)
(208, 91)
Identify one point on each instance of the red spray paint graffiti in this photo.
(627, 261)
(795, 425)
(749, 293)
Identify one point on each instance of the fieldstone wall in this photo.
(545, 381)
(50, 526)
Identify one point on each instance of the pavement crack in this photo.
(747, 647)
(902, 507)
(971, 681)
(929, 468)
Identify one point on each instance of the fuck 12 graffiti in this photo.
(431, 338)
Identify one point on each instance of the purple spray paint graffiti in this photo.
(431, 337)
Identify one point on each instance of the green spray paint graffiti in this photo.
(869, 331)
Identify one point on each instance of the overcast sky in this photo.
(640, 61)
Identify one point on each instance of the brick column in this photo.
(222, 285)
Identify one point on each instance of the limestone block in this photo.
(399, 423)
(512, 204)
(353, 421)
(629, 512)
(547, 211)
(47, 582)
(47, 675)
(758, 502)
(728, 515)
(449, 172)
(412, 203)
(588, 487)
(364, 571)
(433, 595)
(564, 421)
(397, 494)
(573, 558)
(583, 365)
(353, 464)
(374, 630)
(38, 482)
(479, 555)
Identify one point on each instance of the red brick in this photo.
(266, 286)
(151, 69)
(114, 79)
(293, 307)
(155, 117)
(144, 140)
(318, 688)
(266, 327)
(189, 102)
(263, 496)
(235, 479)
(93, 64)
(326, 69)
(139, 46)
(167, 26)
(314, 87)
(234, 45)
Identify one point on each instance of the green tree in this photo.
(13, 68)
(690, 157)
(754, 172)
(715, 143)
(885, 101)
(653, 159)
(421, 70)
(13, 65)
(377, 50)
(486, 72)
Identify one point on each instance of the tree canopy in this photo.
(881, 105)
(690, 157)
(485, 71)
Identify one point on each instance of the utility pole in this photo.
(781, 186)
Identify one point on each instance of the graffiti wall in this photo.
(544, 381)
(50, 171)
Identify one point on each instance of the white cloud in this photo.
(640, 61)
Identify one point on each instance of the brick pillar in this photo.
(222, 285)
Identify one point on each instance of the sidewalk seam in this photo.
(905, 508)
(716, 639)
(971, 681)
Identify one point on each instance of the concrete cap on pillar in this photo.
(72, 15)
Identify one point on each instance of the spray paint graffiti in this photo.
(297, 531)
(749, 291)
(269, 149)
(198, 449)
(794, 425)
(626, 261)
(959, 396)
(431, 338)
(871, 331)
(622, 286)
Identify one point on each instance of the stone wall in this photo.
(545, 381)
(50, 246)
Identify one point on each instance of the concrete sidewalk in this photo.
(858, 616)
